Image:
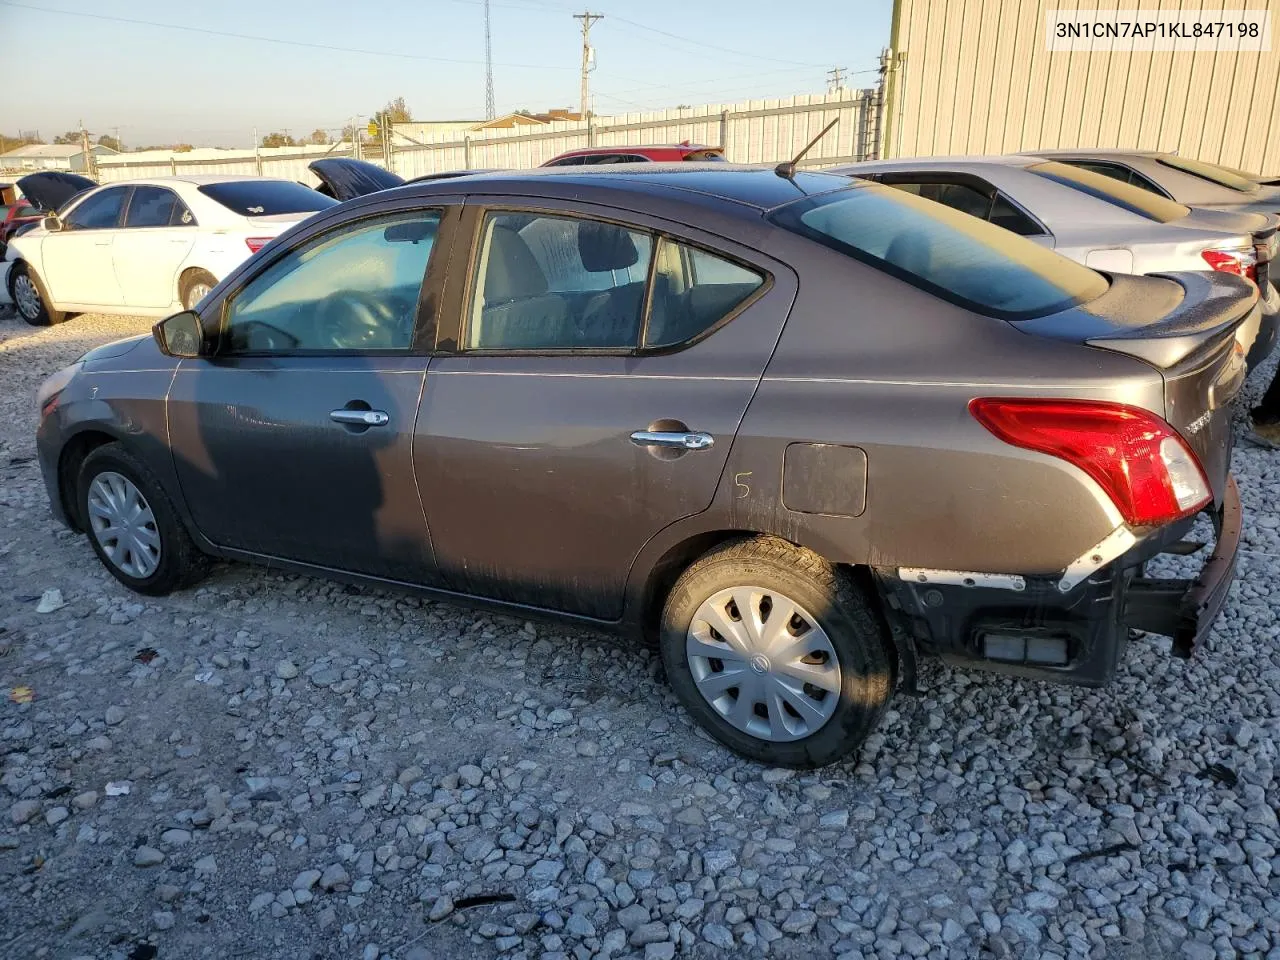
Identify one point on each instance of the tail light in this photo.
(1242, 261)
(257, 243)
(1141, 462)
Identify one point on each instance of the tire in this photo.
(33, 303)
(193, 287)
(175, 561)
(825, 598)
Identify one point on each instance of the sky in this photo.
(117, 67)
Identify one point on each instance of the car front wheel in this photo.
(133, 525)
(776, 653)
(30, 297)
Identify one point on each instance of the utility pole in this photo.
(88, 156)
(588, 19)
(489, 110)
(835, 79)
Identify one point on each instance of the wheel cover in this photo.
(26, 296)
(763, 663)
(124, 526)
(195, 293)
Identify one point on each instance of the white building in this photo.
(50, 156)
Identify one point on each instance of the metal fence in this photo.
(759, 131)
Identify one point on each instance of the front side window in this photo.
(99, 212)
(266, 198)
(952, 255)
(557, 283)
(157, 207)
(355, 289)
(693, 290)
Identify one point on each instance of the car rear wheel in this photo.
(776, 653)
(133, 525)
(30, 297)
(196, 285)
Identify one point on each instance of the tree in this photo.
(71, 136)
(395, 111)
(319, 136)
(278, 140)
(112, 142)
(23, 138)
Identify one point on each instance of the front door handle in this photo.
(691, 440)
(360, 418)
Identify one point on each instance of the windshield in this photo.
(1131, 198)
(266, 198)
(1236, 180)
(948, 253)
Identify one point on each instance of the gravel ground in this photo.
(271, 766)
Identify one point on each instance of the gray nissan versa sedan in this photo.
(798, 429)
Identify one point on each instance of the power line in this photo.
(709, 46)
(835, 79)
(261, 39)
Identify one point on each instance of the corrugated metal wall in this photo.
(973, 76)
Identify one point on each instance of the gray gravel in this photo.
(270, 766)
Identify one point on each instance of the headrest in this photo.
(603, 246)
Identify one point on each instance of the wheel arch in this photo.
(73, 453)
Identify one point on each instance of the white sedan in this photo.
(149, 247)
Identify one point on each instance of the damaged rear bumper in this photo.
(1032, 627)
(1186, 609)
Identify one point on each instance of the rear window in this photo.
(943, 251)
(1235, 180)
(266, 198)
(1123, 195)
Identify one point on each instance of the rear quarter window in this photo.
(952, 255)
(266, 198)
(1105, 188)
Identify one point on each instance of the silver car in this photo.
(1193, 182)
(1097, 220)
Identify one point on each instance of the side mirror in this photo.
(51, 223)
(180, 335)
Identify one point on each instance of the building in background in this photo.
(439, 131)
(50, 156)
(974, 76)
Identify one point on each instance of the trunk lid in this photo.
(1193, 328)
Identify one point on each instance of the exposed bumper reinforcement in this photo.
(1186, 609)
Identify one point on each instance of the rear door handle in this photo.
(692, 440)
(360, 418)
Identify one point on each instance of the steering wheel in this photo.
(354, 320)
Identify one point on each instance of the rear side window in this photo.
(950, 254)
(597, 159)
(958, 196)
(558, 283)
(701, 156)
(1224, 177)
(1133, 199)
(157, 207)
(1117, 172)
(266, 198)
(693, 291)
(1005, 214)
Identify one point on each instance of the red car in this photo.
(649, 153)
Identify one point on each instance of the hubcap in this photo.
(196, 293)
(763, 663)
(123, 524)
(27, 297)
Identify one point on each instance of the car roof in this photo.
(929, 163)
(1096, 152)
(198, 179)
(638, 148)
(751, 186)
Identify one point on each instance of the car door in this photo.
(294, 438)
(159, 232)
(76, 261)
(586, 397)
